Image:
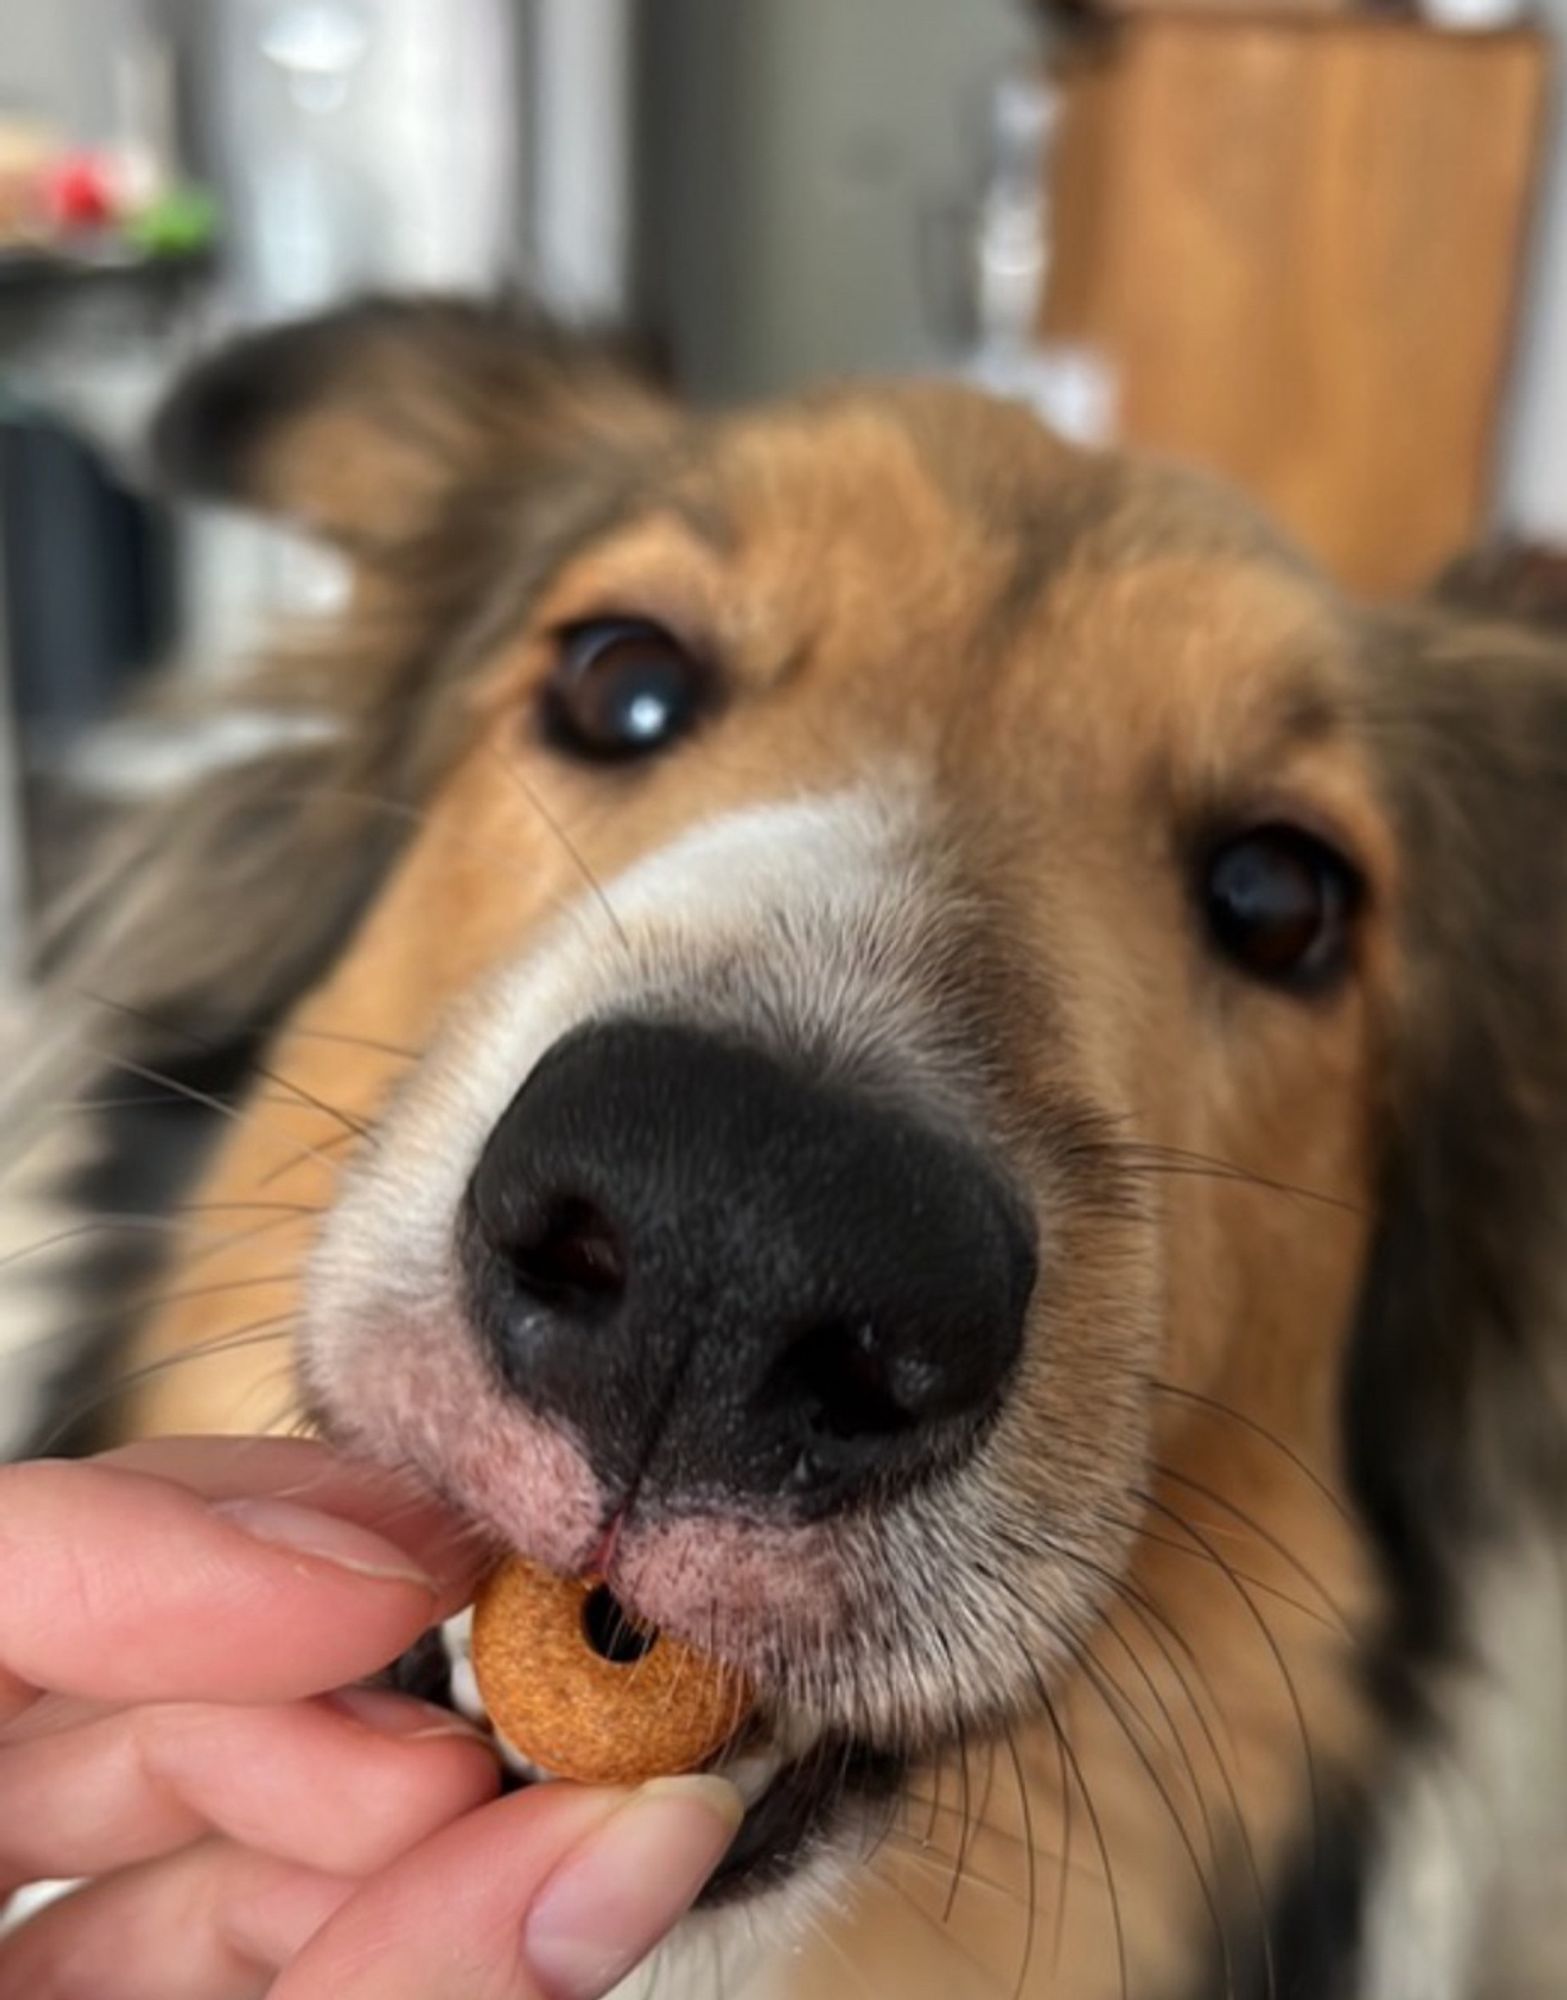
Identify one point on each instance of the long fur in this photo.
(204, 920)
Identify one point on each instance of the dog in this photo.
(930, 1041)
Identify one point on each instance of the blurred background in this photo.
(1320, 246)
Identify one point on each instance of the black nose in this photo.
(732, 1280)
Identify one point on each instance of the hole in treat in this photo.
(611, 1630)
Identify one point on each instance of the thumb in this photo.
(553, 1894)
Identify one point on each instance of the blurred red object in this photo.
(79, 192)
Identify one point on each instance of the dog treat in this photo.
(582, 1691)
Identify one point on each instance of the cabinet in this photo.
(1301, 239)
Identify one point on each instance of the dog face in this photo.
(863, 1104)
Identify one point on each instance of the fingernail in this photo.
(620, 1889)
(402, 1715)
(282, 1525)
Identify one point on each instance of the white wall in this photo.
(406, 174)
(1532, 481)
(581, 157)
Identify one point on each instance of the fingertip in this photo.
(627, 1882)
(307, 1473)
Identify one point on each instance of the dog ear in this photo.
(1457, 1379)
(448, 447)
(370, 424)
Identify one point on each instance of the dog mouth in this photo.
(803, 1781)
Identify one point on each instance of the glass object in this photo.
(1005, 266)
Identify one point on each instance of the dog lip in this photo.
(803, 1776)
(602, 1558)
(798, 1808)
(826, 1773)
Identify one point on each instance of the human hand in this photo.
(175, 1622)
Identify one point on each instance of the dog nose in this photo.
(735, 1280)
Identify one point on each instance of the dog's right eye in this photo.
(623, 688)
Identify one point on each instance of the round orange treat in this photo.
(581, 1690)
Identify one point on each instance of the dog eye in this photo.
(622, 688)
(1278, 902)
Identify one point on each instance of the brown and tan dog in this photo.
(936, 1030)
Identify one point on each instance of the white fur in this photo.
(1469, 1897)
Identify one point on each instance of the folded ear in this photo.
(367, 424)
(1457, 1385)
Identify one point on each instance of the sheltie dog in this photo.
(934, 1040)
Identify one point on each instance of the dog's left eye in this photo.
(1278, 902)
(622, 688)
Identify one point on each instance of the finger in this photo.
(213, 1923)
(115, 1586)
(443, 1544)
(52, 1715)
(343, 1786)
(553, 1894)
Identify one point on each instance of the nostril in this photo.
(837, 1375)
(571, 1256)
(612, 1632)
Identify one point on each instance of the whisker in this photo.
(323, 1152)
(596, 889)
(292, 1031)
(1134, 1599)
(1140, 1667)
(956, 1710)
(210, 1047)
(258, 1333)
(1142, 1606)
(936, 1780)
(99, 1107)
(1246, 1576)
(209, 1101)
(1150, 1618)
(907, 1852)
(109, 1315)
(1133, 1151)
(1031, 1668)
(960, 1858)
(286, 1419)
(137, 1305)
(1273, 1646)
(1103, 1683)
(1025, 1808)
(1217, 1408)
(300, 1095)
(223, 1207)
(129, 1222)
(1068, 1815)
(907, 1847)
(1255, 1527)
